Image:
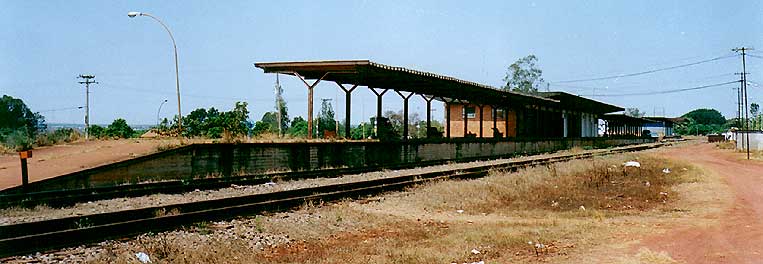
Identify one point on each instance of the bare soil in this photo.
(48, 162)
(738, 235)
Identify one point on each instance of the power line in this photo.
(754, 56)
(666, 91)
(62, 109)
(602, 88)
(647, 72)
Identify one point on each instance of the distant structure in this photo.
(662, 126)
(88, 79)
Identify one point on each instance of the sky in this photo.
(45, 45)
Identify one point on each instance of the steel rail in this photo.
(72, 231)
(60, 198)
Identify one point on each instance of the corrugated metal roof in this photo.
(377, 75)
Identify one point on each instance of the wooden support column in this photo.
(310, 101)
(481, 116)
(495, 117)
(429, 112)
(466, 119)
(379, 96)
(447, 119)
(347, 107)
(506, 122)
(405, 113)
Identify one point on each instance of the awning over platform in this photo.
(376, 75)
(577, 103)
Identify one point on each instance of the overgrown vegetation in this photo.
(19, 126)
(703, 122)
(446, 222)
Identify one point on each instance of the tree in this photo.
(97, 131)
(284, 110)
(261, 127)
(702, 122)
(326, 121)
(119, 129)
(15, 115)
(396, 120)
(362, 131)
(523, 76)
(271, 118)
(634, 112)
(212, 123)
(421, 132)
(706, 116)
(236, 121)
(298, 127)
(755, 112)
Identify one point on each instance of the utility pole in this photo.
(739, 100)
(743, 50)
(279, 99)
(88, 79)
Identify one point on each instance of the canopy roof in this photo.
(666, 119)
(582, 104)
(622, 118)
(376, 75)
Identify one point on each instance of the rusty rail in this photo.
(72, 231)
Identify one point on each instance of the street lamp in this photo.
(177, 75)
(158, 111)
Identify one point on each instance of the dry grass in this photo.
(501, 214)
(594, 184)
(730, 144)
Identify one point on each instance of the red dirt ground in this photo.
(739, 237)
(53, 161)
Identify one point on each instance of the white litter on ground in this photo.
(632, 164)
(143, 257)
(475, 251)
(666, 170)
(460, 211)
(582, 208)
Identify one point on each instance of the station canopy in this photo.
(626, 119)
(577, 103)
(376, 75)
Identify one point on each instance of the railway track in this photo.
(51, 234)
(61, 198)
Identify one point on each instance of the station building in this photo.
(472, 110)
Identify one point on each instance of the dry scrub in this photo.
(600, 183)
(490, 219)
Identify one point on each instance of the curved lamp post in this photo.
(159, 111)
(177, 76)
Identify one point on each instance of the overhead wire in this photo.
(604, 88)
(664, 91)
(62, 109)
(648, 71)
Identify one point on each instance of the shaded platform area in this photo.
(624, 125)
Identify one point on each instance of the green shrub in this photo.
(18, 140)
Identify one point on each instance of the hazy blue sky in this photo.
(44, 45)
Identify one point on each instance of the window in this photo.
(470, 111)
(499, 113)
